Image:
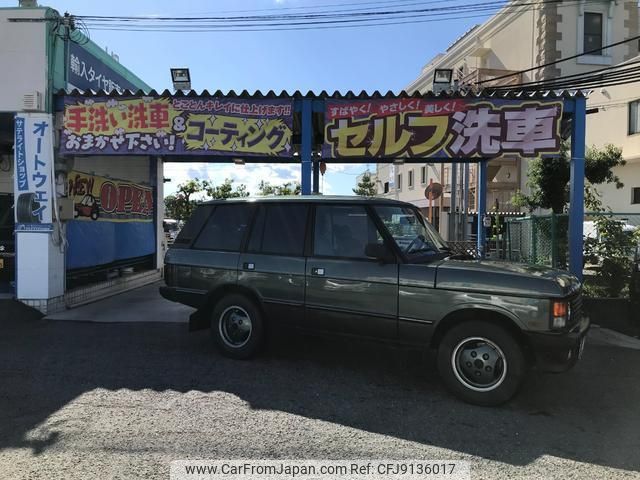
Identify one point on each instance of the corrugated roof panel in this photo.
(335, 95)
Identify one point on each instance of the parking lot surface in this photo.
(113, 400)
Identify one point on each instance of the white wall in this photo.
(22, 56)
(611, 125)
(619, 200)
(133, 168)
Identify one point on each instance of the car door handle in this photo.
(249, 266)
(317, 271)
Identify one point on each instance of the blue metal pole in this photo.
(453, 203)
(305, 153)
(576, 195)
(482, 206)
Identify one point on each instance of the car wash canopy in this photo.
(349, 127)
(277, 128)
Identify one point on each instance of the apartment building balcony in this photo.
(488, 75)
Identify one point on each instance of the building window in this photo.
(635, 195)
(386, 187)
(593, 33)
(423, 175)
(399, 186)
(410, 180)
(634, 118)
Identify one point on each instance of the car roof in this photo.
(312, 199)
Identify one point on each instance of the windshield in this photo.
(411, 232)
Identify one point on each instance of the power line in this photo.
(575, 75)
(395, 17)
(581, 82)
(572, 57)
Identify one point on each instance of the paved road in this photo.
(97, 400)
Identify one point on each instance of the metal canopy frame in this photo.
(310, 107)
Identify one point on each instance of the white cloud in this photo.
(249, 174)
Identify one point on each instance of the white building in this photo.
(76, 257)
(513, 40)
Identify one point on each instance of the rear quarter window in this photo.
(193, 226)
(225, 228)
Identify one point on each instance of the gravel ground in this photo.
(81, 400)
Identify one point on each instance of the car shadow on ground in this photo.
(589, 414)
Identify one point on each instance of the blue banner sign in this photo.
(87, 72)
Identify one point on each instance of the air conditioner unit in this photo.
(33, 101)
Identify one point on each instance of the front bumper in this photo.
(558, 352)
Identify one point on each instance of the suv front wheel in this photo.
(481, 363)
(236, 326)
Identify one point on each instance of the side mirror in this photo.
(379, 251)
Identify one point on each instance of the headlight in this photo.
(560, 314)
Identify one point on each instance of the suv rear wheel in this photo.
(236, 326)
(481, 363)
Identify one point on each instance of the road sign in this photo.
(434, 190)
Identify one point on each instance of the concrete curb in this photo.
(603, 336)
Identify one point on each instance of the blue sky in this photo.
(371, 58)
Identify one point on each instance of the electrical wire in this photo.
(613, 76)
(564, 59)
(585, 80)
(225, 28)
(317, 20)
(575, 75)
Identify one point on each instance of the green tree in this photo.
(288, 188)
(366, 186)
(549, 177)
(170, 206)
(225, 190)
(610, 251)
(180, 206)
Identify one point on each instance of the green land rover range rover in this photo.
(372, 268)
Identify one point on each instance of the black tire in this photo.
(229, 329)
(481, 363)
(25, 206)
(94, 215)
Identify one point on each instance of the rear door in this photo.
(347, 292)
(274, 264)
(213, 257)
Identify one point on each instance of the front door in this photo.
(347, 292)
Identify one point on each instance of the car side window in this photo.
(279, 230)
(193, 226)
(343, 231)
(225, 228)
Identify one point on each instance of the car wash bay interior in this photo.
(7, 244)
(118, 142)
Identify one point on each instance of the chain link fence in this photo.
(543, 239)
(539, 240)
